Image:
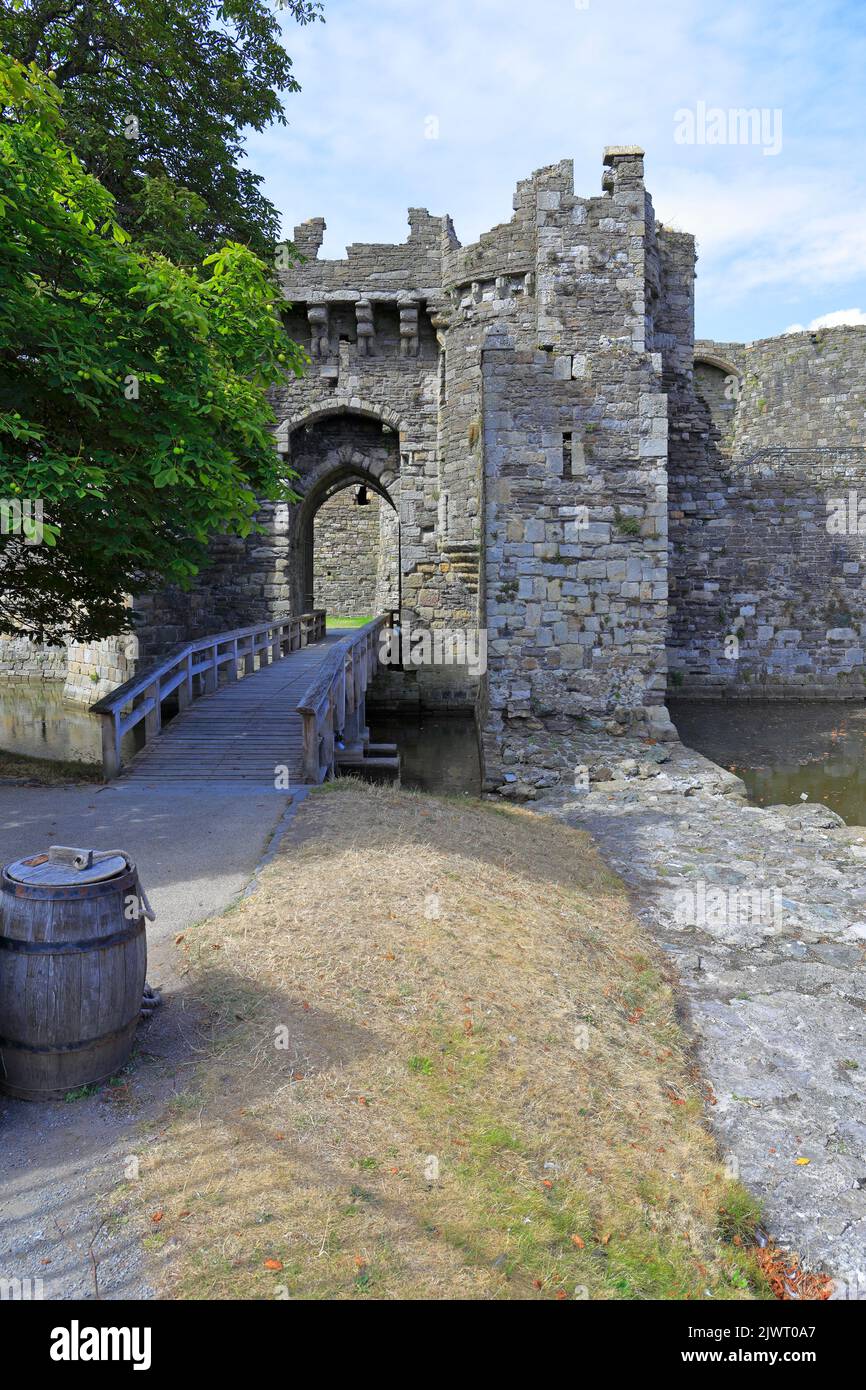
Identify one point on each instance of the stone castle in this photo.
(541, 450)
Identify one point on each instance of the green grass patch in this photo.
(47, 771)
(337, 620)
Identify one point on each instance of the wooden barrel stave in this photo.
(68, 1015)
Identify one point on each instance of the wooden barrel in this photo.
(73, 958)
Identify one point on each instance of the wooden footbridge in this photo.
(268, 705)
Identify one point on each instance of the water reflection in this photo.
(36, 721)
(782, 751)
(438, 753)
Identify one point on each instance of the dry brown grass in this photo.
(437, 967)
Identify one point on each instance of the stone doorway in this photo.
(345, 532)
(356, 554)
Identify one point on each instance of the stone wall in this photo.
(768, 576)
(88, 670)
(354, 555)
(94, 669)
(23, 660)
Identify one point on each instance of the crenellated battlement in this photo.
(556, 461)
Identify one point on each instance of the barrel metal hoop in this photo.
(72, 948)
(47, 1049)
(70, 893)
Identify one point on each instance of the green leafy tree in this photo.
(157, 94)
(133, 393)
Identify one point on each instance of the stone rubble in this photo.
(776, 999)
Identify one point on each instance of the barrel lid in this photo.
(40, 871)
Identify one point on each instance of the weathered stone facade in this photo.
(88, 670)
(768, 548)
(23, 660)
(355, 555)
(556, 463)
(94, 669)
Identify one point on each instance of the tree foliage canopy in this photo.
(133, 393)
(157, 94)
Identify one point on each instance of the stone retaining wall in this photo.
(94, 669)
(23, 660)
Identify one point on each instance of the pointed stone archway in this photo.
(330, 452)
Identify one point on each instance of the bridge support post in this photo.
(110, 747)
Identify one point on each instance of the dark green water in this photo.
(438, 753)
(37, 722)
(783, 750)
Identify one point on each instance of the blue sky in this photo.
(514, 85)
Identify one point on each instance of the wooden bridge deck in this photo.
(240, 733)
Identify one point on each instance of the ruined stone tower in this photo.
(507, 399)
(527, 414)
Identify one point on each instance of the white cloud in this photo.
(839, 318)
(517, 86)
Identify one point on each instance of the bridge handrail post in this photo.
(153, 716)
(211, 671)
(184, 690)
(233, 664)
(141, 697)
(110, 744)
(310, 754)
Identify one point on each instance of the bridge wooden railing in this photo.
(335, 703)
(193, 669)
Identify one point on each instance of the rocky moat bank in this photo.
(763, 912)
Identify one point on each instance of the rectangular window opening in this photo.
(566, 455)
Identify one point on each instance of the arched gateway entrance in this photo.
(331, 454)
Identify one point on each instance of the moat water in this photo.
(781, 751)
(37, 722)
(437, 753)
(784, 752)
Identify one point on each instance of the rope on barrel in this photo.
(86, 858)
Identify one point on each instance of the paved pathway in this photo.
(196, 845)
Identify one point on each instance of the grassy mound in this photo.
(442, 1061)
